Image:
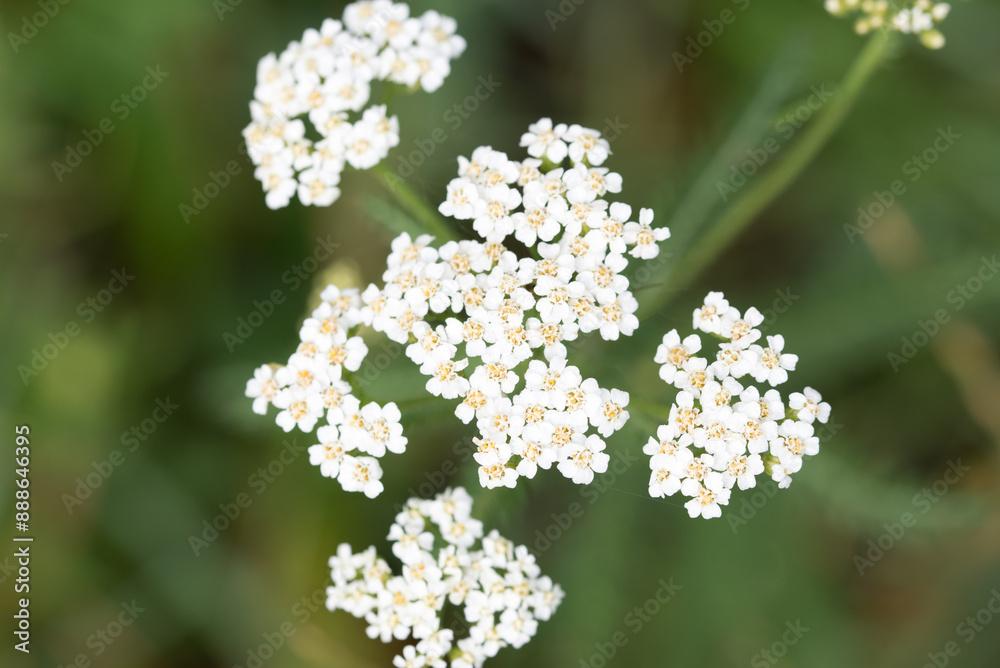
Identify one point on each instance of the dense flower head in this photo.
(489, 328)
(311, 387)
(461, 595)
(917, 17)
(728, 424)
(311, 113)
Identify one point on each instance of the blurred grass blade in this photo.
(426, 218)
(748, 131)
(757, 196)
(392, 218)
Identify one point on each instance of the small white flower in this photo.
(663, 482)
(363, 147)
(743, 471)
(742, 330)
(706, 498)
(438, 33)
(617, 317)
(493, 219)
(300, 407)
(582, 460)
(693, 376)
(545, 140)
(673, 353)
(535, 450)
(605, 281)
(798, 440)
(810, 405)
(708, 318)
(349, 353)
(773, 365)
(410, 546)
(463, 201)
(361, 474)
(756, 432)
(734, 361)
(497, 475)
(446, 380)
(262, 388)
(643, 237)
(384, 429)
(610, 415)
(586, 144)
(279, 184)
(329, 452)
(319, 187)
(491, 451)
(410, 658)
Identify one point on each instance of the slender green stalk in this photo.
(757, 196)
(414, 204)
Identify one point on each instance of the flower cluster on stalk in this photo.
(462, 596)
(327, 80)
(916, 17)
(489, 327)
(312, 386)
(728, 424)
(486, 326)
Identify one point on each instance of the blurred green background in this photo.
(854, 298)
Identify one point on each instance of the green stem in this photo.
(765, 189)
(415, 205)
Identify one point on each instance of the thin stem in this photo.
(764, 190)
(415, 205)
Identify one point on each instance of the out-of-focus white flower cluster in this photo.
(917, 17)
(493, 590)
(723, 430)
(326, 78)
(489, 328)
(311, 385)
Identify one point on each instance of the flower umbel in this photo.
(916, 17)
(724, 430)
(312, 386)
(486, 326)
(327, 79)
(451, 573)
(489, 328)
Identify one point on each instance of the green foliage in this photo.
(858, 298)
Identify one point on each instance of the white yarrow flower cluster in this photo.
(452, 577)
(724, 430)
(915, 17)
(327, 79)
(312, 386)
(489, 328)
